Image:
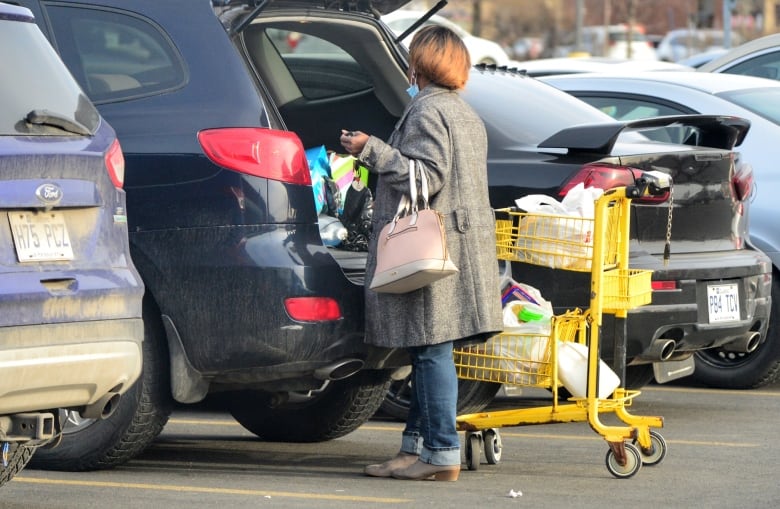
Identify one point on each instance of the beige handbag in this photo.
(412, 248)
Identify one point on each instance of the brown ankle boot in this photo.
(418, 471)
(401, 460)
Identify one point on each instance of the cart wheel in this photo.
(654, 454)
(492, 446)
(632, 466)
(472, 449)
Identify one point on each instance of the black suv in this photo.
(214, 106)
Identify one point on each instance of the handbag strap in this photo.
(409, 203)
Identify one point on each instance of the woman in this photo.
(448, 142)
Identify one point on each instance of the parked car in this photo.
(699, 59)
(681, 43)
(641, 95)
(70, 297)
(612, 41)
(759, 57)
(566, 65)
(482, 51)
(244, 300)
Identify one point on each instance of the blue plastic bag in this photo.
(319, 169)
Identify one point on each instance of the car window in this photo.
(320, 68)
(637, 108)
(764, 102)
(39, 96)
(115, 56)
(631, 108)
(763, 66)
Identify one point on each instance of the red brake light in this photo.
(115, 164)
(312, 309)
(600, 176)
(268, 153)
(605, 176)
(742, 181)
(663, 285)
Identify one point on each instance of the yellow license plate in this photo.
(41, 236)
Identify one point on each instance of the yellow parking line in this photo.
(219, 491)
(598, 437)
(731, 392)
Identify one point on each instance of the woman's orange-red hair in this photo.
(439, 54)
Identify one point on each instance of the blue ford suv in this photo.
(70, 298)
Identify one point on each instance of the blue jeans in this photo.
(430, 426)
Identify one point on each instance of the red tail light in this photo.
(312, 309)
(742, 181)
(268, 153)
(604, 176)
(663, 285)
(115, 164)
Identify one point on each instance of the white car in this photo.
(759, 57)
(570, 65)
(482, 51)
(682, 43)
(609, 41)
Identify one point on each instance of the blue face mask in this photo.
(413, 89)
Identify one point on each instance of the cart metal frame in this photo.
(600, 246)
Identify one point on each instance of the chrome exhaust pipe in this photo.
(339, 370)
(746, 344)
(102, 408)
(660, 350)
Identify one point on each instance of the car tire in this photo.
(721, 369)
(342, 407)
(473, 396)
(142, 412)
(17, 456)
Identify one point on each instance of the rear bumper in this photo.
(67, 365)
(680, 314)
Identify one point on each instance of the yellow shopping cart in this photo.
(534, 359)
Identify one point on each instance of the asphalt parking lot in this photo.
(721, 453)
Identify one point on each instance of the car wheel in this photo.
(14, 460)
(473, 396)
(716, 367)
(91, 444)
(342, 407)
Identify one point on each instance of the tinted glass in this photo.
(34, 78)
(115, 56)
(763, 66)
(320, 68)
(763, 101)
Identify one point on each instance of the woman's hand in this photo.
(353, 141)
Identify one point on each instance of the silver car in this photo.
(649, 94)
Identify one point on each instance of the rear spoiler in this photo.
(716, 131)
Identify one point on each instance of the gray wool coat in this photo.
(448, 141)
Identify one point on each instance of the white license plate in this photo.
(723, 302)
(40, 237)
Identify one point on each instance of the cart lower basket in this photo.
(533, 360)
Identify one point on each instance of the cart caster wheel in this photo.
(472, 449)
(492, 446)
(632, 466)
(654, 454)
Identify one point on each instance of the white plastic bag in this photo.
(558, 234)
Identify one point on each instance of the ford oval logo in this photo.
(49, 194)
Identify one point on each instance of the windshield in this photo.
(35, 79)
(761, 101)
(522, 111)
